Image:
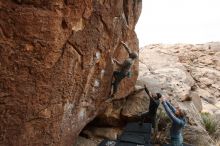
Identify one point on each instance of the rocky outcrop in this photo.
(56, 65)
(188, 73)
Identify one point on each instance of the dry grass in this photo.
(162, 130)
(212, 126)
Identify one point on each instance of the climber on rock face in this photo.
(124, 68)
(177, 117)
(150, 116)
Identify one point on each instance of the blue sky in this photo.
(179, 21)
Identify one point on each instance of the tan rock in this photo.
(209, 108)
(195, 98)
(81, 141)
(206, 81)
(135, 104)
(215, 46)
(177, 74)
(197, 101)
(197, 136)
(103, 132)
(112, 115)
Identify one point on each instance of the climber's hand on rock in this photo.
(123, 43)
(113, 60)
(164, 98)
(147, 91)
(145, 86)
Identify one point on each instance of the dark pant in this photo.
(118, 77)
(149, 118)
(177, 141)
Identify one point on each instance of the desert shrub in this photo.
(162, 131)
(210, 123)
(163, 119)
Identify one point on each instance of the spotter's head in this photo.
(180, 112)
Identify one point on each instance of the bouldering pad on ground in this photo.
(134, 134)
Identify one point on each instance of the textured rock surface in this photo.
(135, 104)
(102, 133)
(183, 71)
(81, 141)
(167, 69)
(55, 65)
(192, 70)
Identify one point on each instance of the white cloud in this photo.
(179, 21)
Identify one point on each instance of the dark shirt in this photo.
(154, 104)
(126, 65)
(150, 116)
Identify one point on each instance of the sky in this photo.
(178, 21)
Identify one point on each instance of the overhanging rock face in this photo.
(55, 65)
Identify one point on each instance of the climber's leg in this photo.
(115, 86)
(117, 79)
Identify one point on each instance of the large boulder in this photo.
(180, 75)
(136, 103)
(124, 110)
(56, 66)
(168, 69)
(111, 115)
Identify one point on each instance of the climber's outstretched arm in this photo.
(117, 62)
(126, 47)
